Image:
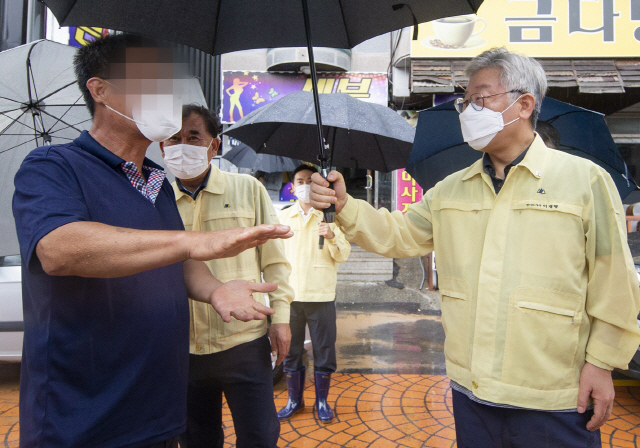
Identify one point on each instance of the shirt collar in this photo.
(534, 160)
(91, 145)
(202, 186)
(490, 169)
(301, 211)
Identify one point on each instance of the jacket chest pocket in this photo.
(548, 238)
(228, 219)
(459, 229)
(456, 305)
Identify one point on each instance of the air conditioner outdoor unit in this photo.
(293, 59)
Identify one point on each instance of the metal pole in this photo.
(314, 85)
(329, 213)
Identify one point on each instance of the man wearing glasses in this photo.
(539, 292)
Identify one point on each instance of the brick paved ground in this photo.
(390, 411)
(372, 410)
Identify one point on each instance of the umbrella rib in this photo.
(10, 99)
(19, 144)
(35, 90)
(344, 23)
(12, 123)
(56, 91)
(384, 162)
(70, 126)
(62, 121)
(20, 123)
(215, 34)
(5, 112)
(65, 113)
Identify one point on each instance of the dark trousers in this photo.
(482, 426)
(170, 443)
(244, 374)
(321, 318)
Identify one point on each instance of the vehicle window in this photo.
(10, 260)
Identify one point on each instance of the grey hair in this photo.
(518, 72)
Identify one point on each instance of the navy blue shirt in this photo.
(105, 361)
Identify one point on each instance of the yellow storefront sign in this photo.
(539, 28)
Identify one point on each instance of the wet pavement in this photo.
(390, 390)
(389, 342)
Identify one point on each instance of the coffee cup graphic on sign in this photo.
(456, 32)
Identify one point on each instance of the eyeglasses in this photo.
(477, 101)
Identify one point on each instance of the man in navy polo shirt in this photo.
(107, 267)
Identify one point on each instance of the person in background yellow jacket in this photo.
(539, 290)
(313, 277)
(233, 357)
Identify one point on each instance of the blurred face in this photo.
(302, 178)
(142, 82)
(194, 132)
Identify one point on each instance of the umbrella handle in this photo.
(329, 213)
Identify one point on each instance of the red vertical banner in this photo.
(407, 190)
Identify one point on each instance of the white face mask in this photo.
(158, 116)
(479, 127)
(302, 193)
(186, 161)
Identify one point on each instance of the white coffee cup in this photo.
(456, 31)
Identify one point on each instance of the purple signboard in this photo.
(244, 92)
(82, 35)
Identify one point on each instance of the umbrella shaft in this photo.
(314, 84)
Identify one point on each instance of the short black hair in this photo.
(95, 59)
(303, 167)
(211, 118)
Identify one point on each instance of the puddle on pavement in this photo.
(387, 342)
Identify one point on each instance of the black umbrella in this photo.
(244, 156)
(360, 135)
(440, 150)
(221, 26)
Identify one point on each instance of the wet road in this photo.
(390, 390)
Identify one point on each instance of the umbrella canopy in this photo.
(223, 26)
(244, 156)
(439, 148)
(360, 135)
(40, 103)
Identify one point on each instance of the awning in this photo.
(588, 75)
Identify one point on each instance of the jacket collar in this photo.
(215, 184)
(534, 161)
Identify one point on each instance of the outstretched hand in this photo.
(230, 242)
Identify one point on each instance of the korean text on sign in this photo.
(407, 190)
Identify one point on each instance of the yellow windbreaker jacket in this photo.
(235, 200)
(314, 272)
(533, 281)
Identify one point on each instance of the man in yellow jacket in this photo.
(234, 357)
(539, 291)
(313, 277)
